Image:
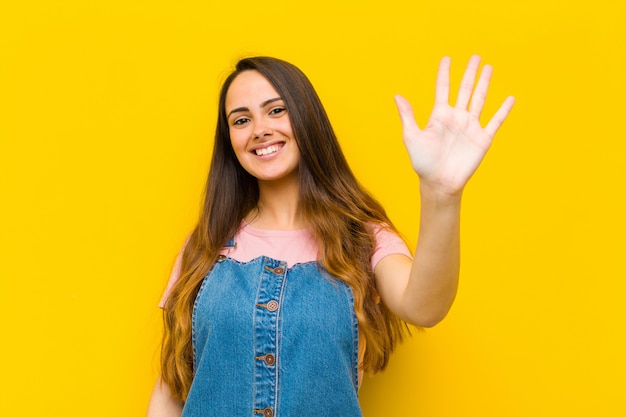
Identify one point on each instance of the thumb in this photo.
(406, 113)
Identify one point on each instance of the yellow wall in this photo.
(107, 109)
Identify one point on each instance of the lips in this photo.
(268, 149)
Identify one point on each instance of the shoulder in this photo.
(388, 242)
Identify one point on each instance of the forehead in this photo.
(249, 88)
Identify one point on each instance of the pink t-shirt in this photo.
(291, 246)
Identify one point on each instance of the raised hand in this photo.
(450, 148)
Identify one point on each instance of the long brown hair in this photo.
(339, 212)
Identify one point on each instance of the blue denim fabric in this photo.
(273, 341)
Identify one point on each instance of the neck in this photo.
(278, 207)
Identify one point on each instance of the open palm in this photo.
(450, 148)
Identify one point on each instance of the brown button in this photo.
(272, 305)
(221, 258)
(270, 359)
(268, 412)
(279, 271)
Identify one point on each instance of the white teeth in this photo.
(268, 150)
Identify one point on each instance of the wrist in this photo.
(439, 196)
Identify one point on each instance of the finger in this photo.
(467, 83)
(480, 94)
(442, 92)
(500, 116)
(405, 110)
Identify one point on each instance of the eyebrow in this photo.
(243, 109)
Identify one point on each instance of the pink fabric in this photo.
(292, 246)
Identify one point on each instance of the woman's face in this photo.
(260, 129)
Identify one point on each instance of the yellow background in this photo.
(107, 111)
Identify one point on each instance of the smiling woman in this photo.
(295, 282)
(260, 130)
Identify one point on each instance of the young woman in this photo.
(295, 281)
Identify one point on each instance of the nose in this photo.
(261, 129)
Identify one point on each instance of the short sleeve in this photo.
(388, 243)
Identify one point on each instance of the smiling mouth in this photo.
(269, 150)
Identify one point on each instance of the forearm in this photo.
(162, 404)
(434, 275)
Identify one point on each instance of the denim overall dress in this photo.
(273, 341)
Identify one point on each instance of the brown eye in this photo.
(278, 110)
